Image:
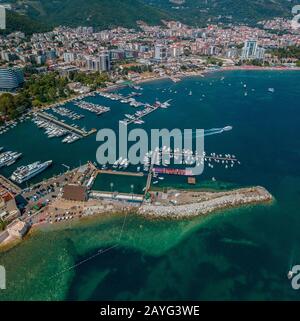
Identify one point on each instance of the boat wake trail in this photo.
(210, 132)
(213, 131)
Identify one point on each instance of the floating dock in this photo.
(111, 172)
(130, 121)
(172, 171)
(149, 179)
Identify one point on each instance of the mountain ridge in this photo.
(97, 13)
(104, 14)
(237, 11)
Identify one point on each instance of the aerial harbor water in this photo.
(243, 253)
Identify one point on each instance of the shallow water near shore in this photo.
(238, 254)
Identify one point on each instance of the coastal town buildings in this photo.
(169, 45)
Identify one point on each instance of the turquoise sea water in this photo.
(239, 254)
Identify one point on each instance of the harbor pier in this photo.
(130, 121)
(111, 172)
(66, 126)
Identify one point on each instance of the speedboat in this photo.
(227, 128)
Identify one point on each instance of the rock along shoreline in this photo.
(208, 203)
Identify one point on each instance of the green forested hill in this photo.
(19, 22)
(109, 13)
(198, 11)
(97, 13)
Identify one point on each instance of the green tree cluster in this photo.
(137, 68)
(12, 106)
(288, 52)
(46, 88)
(2, 225)
(94, 80)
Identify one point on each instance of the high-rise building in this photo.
(104, 58)
(69, 57)
(260, 53)
(117, 54)
(160, 52)
(99, 63)
(252, 51)
(10, 79)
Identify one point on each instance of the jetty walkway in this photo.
(66, 126)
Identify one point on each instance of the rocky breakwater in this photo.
(181, 204)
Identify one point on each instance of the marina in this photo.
(62, 134)
(68, 133)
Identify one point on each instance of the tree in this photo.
(2, 225)
(7, 104)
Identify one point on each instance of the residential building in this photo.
(251, 50)
(160, 52)
(10, 79)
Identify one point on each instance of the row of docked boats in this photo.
(125, 100)
(7, 126)
(8, 158)
(94, 108)
(137, 117)
(52, 130)
(163, 156)
(12, 124)
(121, 163)
(65, 112)
(71, 138)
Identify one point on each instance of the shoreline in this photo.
(211, 203)
(178, 78)
(202, 73)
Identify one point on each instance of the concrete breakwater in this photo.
(206, 203)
